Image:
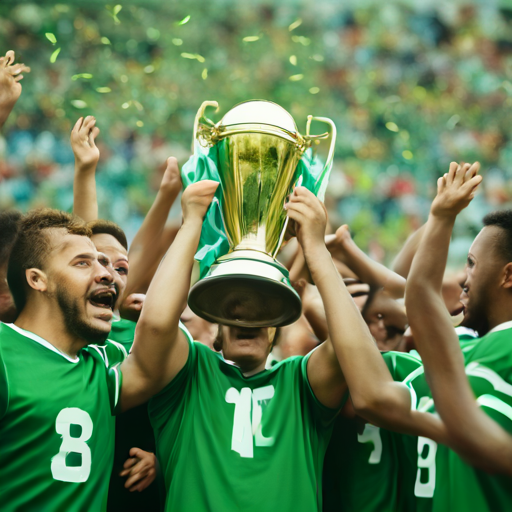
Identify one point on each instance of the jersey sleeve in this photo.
(4, 388)
(164, 402)
(325, 415)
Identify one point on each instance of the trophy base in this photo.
(243, 291)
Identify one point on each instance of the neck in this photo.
(499, 313)
(48, 323)
(251, 369)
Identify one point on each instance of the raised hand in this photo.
(309, 217)
(456, 189)
(171, 180)
(10, 88)
(83, 143)
(140, 470)
(197, 198)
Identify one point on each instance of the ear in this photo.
(36, 279)
(507, 276)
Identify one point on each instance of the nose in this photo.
(105, 270)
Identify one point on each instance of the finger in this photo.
(145, 482)
(135, 477)
(9, 58)
(94, 133)
(451, 173)
(460, 173)
(129, 463)
(78, 124)
(16, 69)
(440, 184)
(472, 171)
(18, 78)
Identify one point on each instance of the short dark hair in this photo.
(107, 227)
(33, 245)
(502, 219)
(9, 225)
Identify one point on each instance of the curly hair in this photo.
(33, 245)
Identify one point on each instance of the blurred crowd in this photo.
(409, 86)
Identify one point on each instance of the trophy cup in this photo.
(258, 149)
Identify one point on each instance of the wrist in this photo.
(444, 217)
(316, 255)
(85, 167)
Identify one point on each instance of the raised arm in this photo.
(471, 432)
(160, 349)
(146, 250)
(10, 88)
(374, 394)
(403, 260)
(342, 246)
(83, 135)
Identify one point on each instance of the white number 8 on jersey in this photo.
(66, 418)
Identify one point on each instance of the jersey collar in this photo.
(42, 342)
(502, 327)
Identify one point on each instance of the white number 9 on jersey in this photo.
(66, 418)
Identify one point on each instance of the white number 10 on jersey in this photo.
(66, 418)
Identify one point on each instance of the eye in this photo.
(82, 263)
(123, 271)
(470, 262)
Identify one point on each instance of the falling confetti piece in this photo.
(177, 41)
(140, 123)
(78, 103)
(186, 19)
(407, 154)
(117, 9)
(87, 76)
(54, 56)
(103, 90)
(304, 41)
(126, 105)
(251, 39)
(296, 78)
(314, 90)
(105, 40)
(392, 127)
(293, 60)
(51, 37)
(138, 106)
(295, 24)
(318, 58)
(204, 74)
(114, 12)
(149, 69)
(193, 56)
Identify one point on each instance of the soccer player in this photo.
(59, 384)
(471, 389)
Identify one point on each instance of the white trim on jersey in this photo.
(116, 397)
(119, 346)
(492, 402)
(502, 327)
(102, 352)
(42, 342)
(465, 331)
(477, 370)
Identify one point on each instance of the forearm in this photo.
(146, 250)
(85, 203)
(403, 261)
(366, 374)
(372, 272)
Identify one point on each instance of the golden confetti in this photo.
(78, 103)
(87, 76)
(204, 74)
(186, 19)
(293, 60)
(407, 154)
(140, 123)
(103, 90)
(105, 40)
(392, 127)
(54, 55)
(314, 90)
(296, 78)
(250, 39)
(177, 41)
(193, 56)
(51, 37)
(295, 24)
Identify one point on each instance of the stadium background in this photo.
(410, 85)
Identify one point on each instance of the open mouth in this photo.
(103, 299)
(457, 311)
(247, 333)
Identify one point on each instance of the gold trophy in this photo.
(259, 148)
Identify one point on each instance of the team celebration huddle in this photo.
(253, 358)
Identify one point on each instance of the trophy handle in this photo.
(201, 118)
(332, 133)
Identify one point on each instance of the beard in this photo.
(74, 321)
(475, 316)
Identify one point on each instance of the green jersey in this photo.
(228, 442)
(56, 423)
(123, 331)
(489, 370)
(363, 469)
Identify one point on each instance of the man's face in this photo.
(117, 255)
(483, 270)
(247, 347)
(80, 282)
(7, 308)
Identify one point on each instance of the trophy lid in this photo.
(260, 112)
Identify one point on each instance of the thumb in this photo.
(136, 452)
(94, 133)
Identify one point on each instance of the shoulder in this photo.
(401, 364)
(109, 354)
